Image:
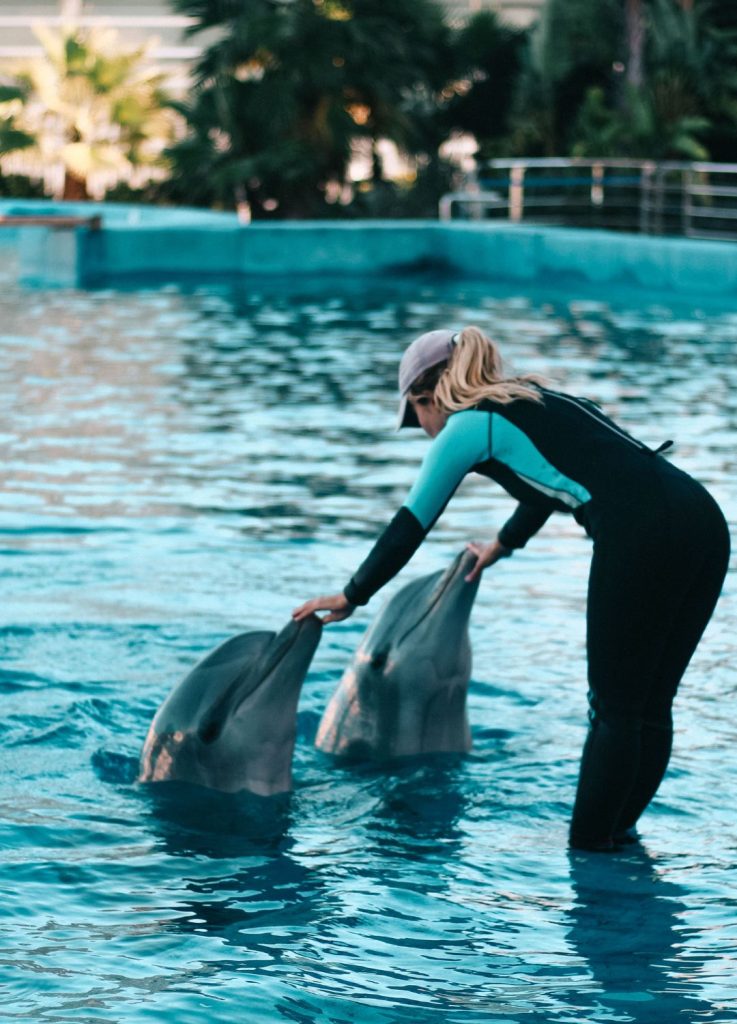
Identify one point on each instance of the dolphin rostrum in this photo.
(405, 691)
(231, 723)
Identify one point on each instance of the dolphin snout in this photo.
(300, 638)
(455, 575)
(311, 626)
(465, 562)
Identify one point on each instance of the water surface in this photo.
(184, 462)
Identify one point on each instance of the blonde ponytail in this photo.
(475, 371)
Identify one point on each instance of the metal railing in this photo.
(695, 200)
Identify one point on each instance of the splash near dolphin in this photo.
(230, 724)
(405, 690)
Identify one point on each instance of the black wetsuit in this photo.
(661, 548)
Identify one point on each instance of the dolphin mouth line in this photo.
(274, 659)
(451, 577)
(232, 699)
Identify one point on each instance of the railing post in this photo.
(516, 193)
(658, 204)
(645, 198)
(686, 179)
(597, 184)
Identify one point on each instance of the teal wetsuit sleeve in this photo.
(460, 445)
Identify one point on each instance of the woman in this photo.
(660, 551)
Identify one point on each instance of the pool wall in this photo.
(278, 248)
(136, 241)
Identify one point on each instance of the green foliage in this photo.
(488, 63)
(637, 130)
(8, 93)
(289, 87)
(688, 100)
(396, 200)
(693, 74)
(723, 14)
(154, 193)
(572, 49)
(18, 186)
(12, 138)
(287, 91)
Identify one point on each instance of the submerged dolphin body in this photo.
(405, 690)
(230, 724)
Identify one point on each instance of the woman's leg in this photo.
(625, 614)
(686, 631)
(652, 589)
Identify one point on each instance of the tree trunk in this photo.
(635, 29)
(75, 189)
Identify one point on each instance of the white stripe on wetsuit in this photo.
(473, 436)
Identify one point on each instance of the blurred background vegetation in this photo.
(364, 108)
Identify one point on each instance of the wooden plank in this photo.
(58, 223)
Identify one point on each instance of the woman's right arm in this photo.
(460, 445)
(486, 555)
(525, 521)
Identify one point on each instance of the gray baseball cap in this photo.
(426, 351)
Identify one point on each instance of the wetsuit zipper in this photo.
(590, 408)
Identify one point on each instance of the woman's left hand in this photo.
(338, 606)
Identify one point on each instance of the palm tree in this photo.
(634, 17)
(12, 99)
(86, 107)
(682, 96)
(288, 88)
(692, 72)
(572, 48)
(489, 58)
(629, 78)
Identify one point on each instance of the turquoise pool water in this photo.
(181, 463)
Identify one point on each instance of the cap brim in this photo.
(407, 416)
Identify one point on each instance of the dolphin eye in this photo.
(209, 731)
(379, 660)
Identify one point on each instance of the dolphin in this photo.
(230, 724)
(405, 691)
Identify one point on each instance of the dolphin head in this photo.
(426, 619)
(405, 691)
(230, 724)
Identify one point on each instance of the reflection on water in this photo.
(182, 463)
(626, 925)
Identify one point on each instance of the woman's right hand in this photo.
(486, 555)
(338, 606)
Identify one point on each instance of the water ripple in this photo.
(182, 463)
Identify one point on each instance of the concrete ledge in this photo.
(526, 254)
(359, 247)
(138, 242)
(279, 249)
(48, 257)
(117, 253)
